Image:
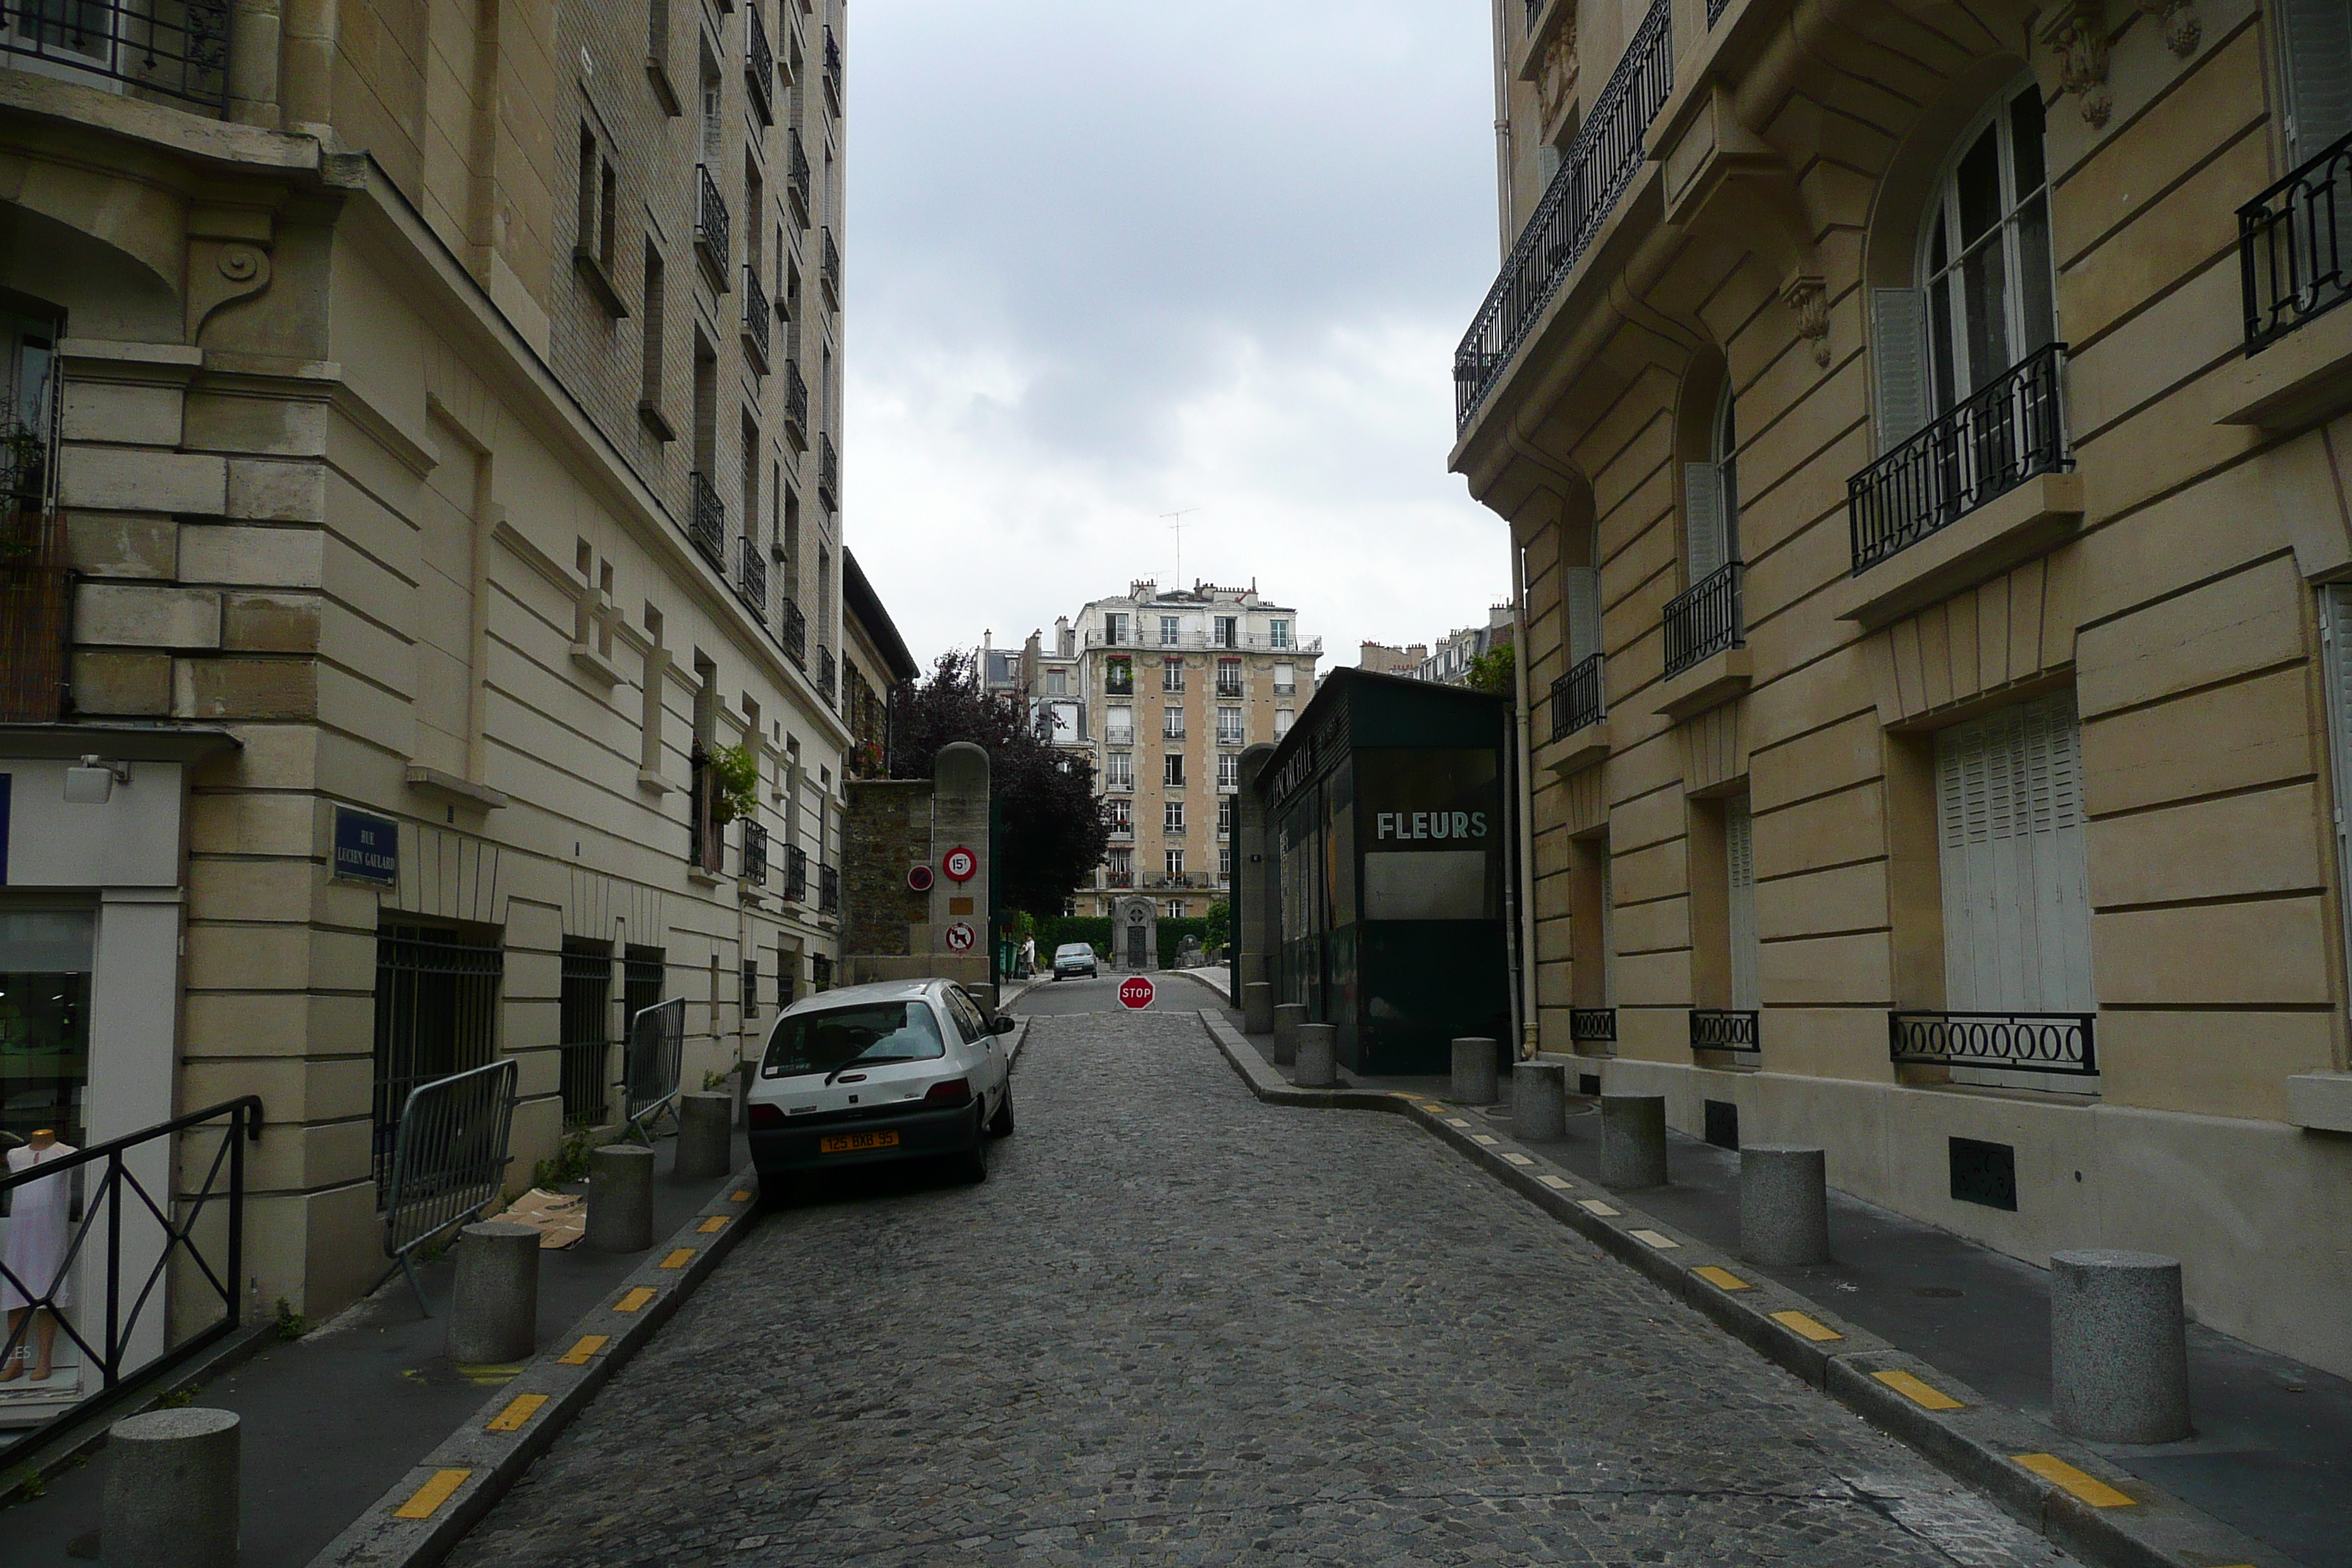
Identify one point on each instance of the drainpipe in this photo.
(1510, 204)
(1523, 838)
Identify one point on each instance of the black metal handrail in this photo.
(1706, 620)
(1576, 699)
(796, 398)
(793, 634)
(713, 227)
(1600, 164)
(151, 1239)
(795, 874)
(176, 49)
(755, 854)
(758, 321)
(1714, 10)
(759, 68)
(751, 579)
(801, 174)
(1724, 1030)
(833, 67)
(828, 474)
(824, 674)
(828, 890)
(2001, 435)
(2292, 244)
(706, 518)
(2035, 1042)
(830, 260)
(1592, 1025)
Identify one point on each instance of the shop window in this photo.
(46, 958)
(436, 1006)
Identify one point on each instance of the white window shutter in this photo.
(1703, 520)
(1608, 928)
(1898, 357)
(1739, 863)
(2318, 74)
(2017, 920)
(2336, 644)
(1582, 589)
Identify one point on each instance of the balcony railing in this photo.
(751, 580)
(759, 68)
(2002, 435)
(1171, 732)
(2294, 241)
(800, 176)
(796, 407)
(1592, 1025)
(1714, 10)
(33, 616)
(1576, 699)
(1119, 878)
(705, 519)
(2031, 1042)
(828, 890)
(825, 673)
(712, 224)
(1255, 642)
(1706, 620)
(833, 69)
(1228, 688)
(755, 855)
(793, 634)
(759, 320)
(795, 874)
(1723, 1029)
(829, 266)
(1601, 163)
(177, 50)
(828, 474)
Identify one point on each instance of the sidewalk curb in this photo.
(486, 1464)
(1974, 1442)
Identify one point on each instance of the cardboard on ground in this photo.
(561, 1218)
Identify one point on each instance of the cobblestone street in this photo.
(1178, 1326)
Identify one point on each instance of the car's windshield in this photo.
(1074, 950)
(826, 1041)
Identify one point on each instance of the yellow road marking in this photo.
(1918, 1392)
(714, 1225)
(1662, 1243)
(2089, 1489)
(635, 1298)
(1721, 1278)
(1482, 1138)
(1594, 1205)
(1813, 1329)
(588, 1346)
(1553, 1182)
(523, 1408)
(739, 1196)
(679, 1259)
(432, 1494)
(1519, 1158)
(1456, 1122)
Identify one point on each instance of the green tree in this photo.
(1492, 671)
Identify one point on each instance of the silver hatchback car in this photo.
(1074, 958)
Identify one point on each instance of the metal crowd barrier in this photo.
(147, 1277)
(653, 1059)
(448, 1161)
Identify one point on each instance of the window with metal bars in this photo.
(436, 1008)
(643, 981)
(585, 1023)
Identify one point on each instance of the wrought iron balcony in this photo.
(1576, 699)
(712, 224)
(828, 474)
(705, 519)
(833, 69)
(1600, 164)
(796, 407)
(1723, 1029)
(1706, 620)
(1592, 1025)
(755, 855)
(1714, 10)
(2002, 435)
(799, 183)
(759, 68)
(759, 320)
(2293, 243)
(752, 579)
(2031, 1042)
(828, 890)
(795, 874)
(824, 674)
(1119, 878)
(829, 266)
(795, 634)
(176, 49)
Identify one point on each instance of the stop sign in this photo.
(1135, 992)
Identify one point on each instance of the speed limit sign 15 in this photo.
(961, 864)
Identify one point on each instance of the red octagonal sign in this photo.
(1135, 992)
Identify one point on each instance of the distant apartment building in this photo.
(1381, 659)
(1449, 663)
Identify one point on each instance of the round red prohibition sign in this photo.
(960, 937)
(1135, 993)
(961, 864)
(919, 878)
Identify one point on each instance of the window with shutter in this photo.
(1608, 928)
(2336, 643)
(1898, 345)
(1581, 587)
(1703, 521)
(2317, 47)
(1739, 866)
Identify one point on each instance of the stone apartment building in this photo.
(1919, 430)
(1162, 690)
(423, 422)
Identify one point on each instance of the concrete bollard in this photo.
(1319, 1057)
(1257, 1007)
(705, 1126)
(1473, 1071)
(1286, 1019)
(171, 1490)
(2119, 1347)
(1539, 1099)
(1633, 1140)
(1784, 1205)
(494, 1314)
(620, 1198)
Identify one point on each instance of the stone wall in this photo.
(887, 829)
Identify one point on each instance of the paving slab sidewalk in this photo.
(2273, 1451)
(333, 1419)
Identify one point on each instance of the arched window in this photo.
(1711, 498)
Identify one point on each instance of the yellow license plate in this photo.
(852, 1142)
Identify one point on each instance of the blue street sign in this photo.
(367, 848)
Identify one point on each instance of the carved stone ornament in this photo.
(2077, 33)
(2182, 30)
(1810, 302)
(1556, 79)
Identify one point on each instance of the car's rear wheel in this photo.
(1001, 1124)
(973, 1166)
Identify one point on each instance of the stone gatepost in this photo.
(959, 909)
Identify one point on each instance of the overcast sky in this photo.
(1106, 261)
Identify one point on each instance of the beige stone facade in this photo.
(1926, 547)
(448, 431)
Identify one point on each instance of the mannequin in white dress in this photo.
(34, 1253)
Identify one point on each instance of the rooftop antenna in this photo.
(1176, 521)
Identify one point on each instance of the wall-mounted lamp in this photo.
(92, 783)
